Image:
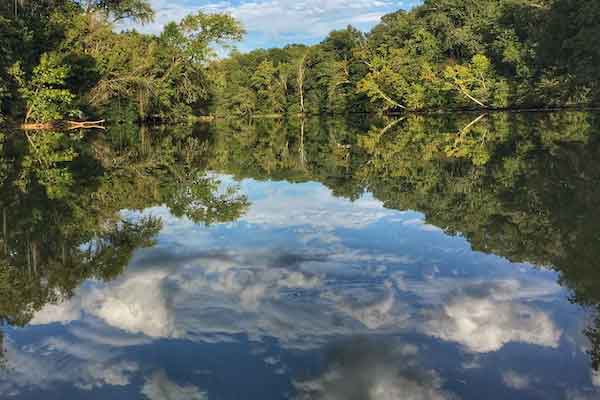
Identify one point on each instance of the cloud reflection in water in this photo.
(296, 286)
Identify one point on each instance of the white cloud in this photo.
(484, 325)
(252, 291)
(515, 380)
(369, 371)
(115, 375)
(358, 256)
(135, 305)
(55, 361)
(63, 312)
(275, 22)
(595, 376)
(485, 316)
(160, 387)
(317, 208)
(207, 297)
(374, 310)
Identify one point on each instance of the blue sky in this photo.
(274, 23)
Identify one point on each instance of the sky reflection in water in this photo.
(307, 296)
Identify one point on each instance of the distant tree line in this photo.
(66, 58)
(444, 54)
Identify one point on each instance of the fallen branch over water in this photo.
(65, 125)
(86, 124)
(33, 127)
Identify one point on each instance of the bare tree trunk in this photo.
(389, 99)
(300, 78)
(4, 230)
(28, 254)
(145, 142)
(390, 126)
(302, 155)
(28, 113)
(34, 255)
(141, 104)
(466, 93)
(476, 120)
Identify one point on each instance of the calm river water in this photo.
(318, 259)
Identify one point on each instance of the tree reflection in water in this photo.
(519, 186)
(62, 197)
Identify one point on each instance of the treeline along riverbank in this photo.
(65, 59)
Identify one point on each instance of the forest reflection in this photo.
(62, 200)
(520, 186)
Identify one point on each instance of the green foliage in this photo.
(80, 61)
(199, 198)
(268, 88)
(62, 196)
(476, 83)
(49, 152)
(443, 54)
(204, 29)
(46, 97)
(3, 95)
(116, 10)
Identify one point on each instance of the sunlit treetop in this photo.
(116, 10)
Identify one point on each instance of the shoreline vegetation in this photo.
(64, 60)
(72, 125)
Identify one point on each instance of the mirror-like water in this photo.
(450, 257)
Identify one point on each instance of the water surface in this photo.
(318, 259)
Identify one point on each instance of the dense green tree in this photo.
(443, 54)
(68, 55)
(45, 93)
(476, 81)
(117, 10)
